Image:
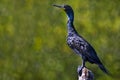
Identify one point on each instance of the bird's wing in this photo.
(84, 48)
(91, 55)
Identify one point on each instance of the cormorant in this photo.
(77, 43)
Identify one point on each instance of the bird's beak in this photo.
(59, 6)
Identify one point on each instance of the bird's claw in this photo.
(79, 69)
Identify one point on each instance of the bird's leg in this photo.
(79, 70)
(83, 63)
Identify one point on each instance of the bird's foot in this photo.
(79, 70)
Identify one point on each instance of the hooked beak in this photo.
(59, 6)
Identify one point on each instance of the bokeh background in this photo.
(33, 38)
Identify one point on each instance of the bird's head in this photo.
(68, 9)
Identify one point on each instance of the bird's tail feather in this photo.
(103, 68)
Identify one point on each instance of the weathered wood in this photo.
(84, 74)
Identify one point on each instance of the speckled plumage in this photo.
(78, 44)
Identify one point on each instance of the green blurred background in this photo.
(33, 38)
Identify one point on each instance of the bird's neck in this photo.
(70, 15)
(71, 29)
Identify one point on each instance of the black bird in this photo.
(77, 43)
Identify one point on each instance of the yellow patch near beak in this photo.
(63, 8)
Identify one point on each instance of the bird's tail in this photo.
(103, 68)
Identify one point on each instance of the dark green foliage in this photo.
(33, 38)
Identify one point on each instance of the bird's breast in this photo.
(78, 45)
(70, 41)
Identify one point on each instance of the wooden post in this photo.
(84, 74)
